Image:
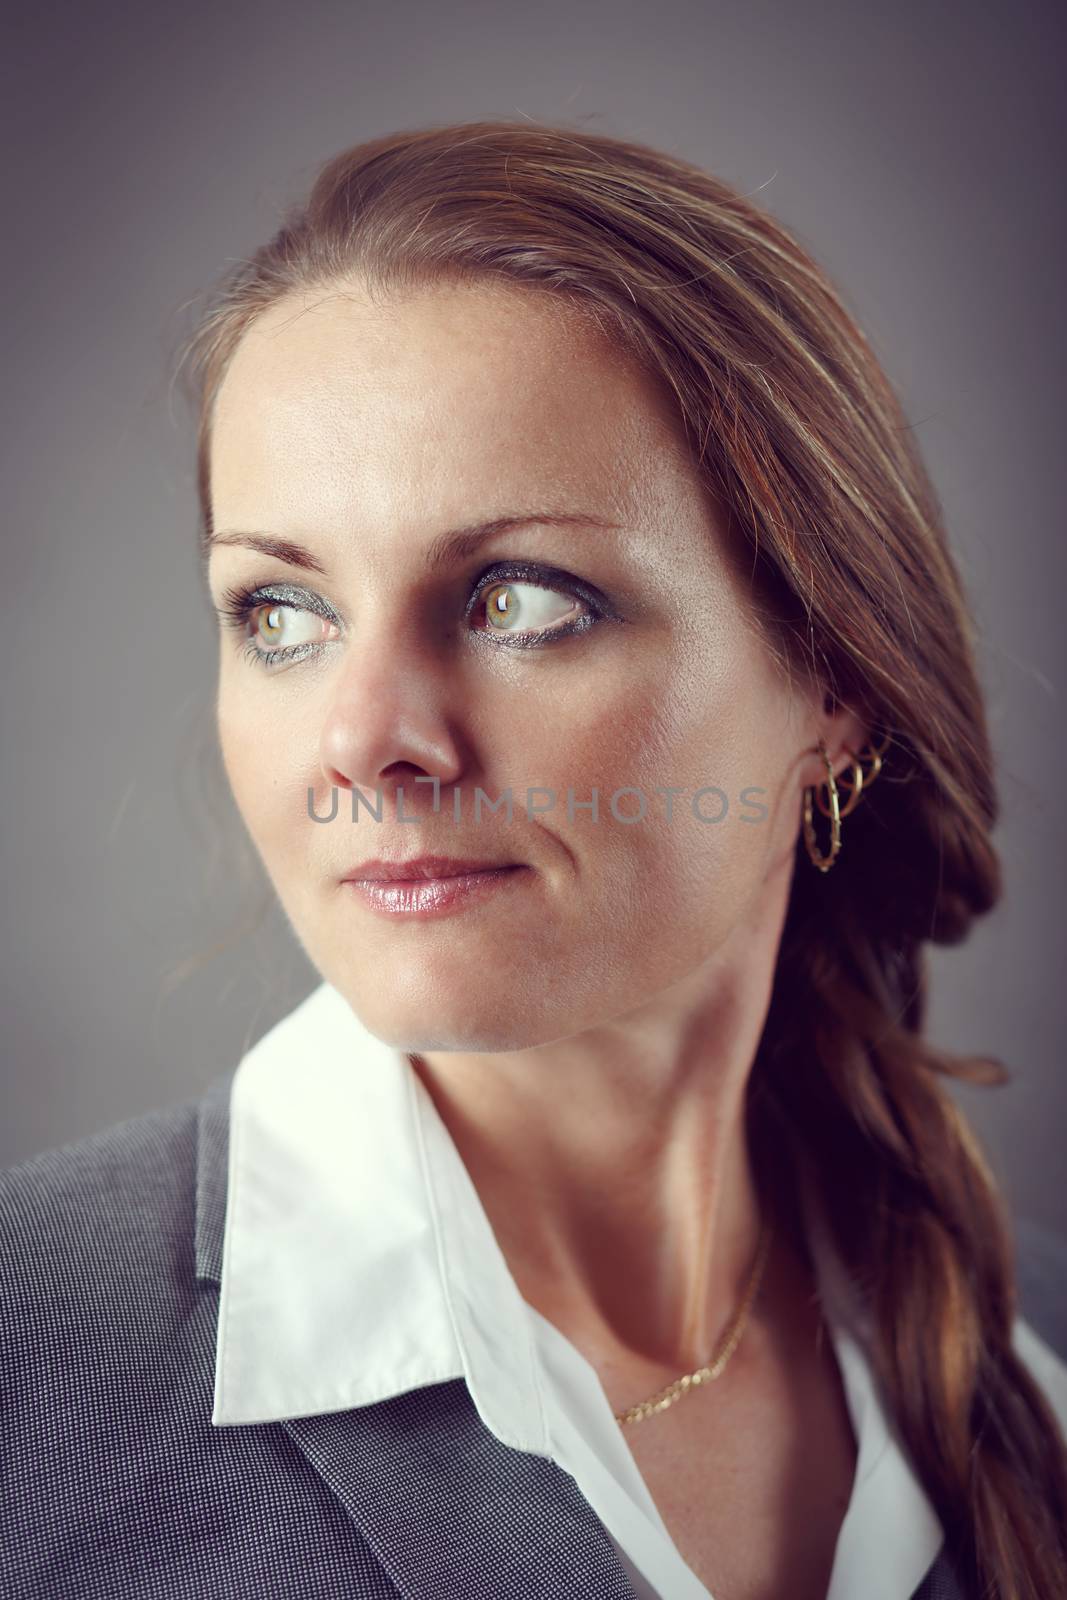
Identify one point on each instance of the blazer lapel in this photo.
(450, 1510)
(447, 1508)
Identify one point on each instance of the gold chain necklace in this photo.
(674, 1391)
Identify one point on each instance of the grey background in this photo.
(916, 150)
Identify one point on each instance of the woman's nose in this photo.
(387, 721)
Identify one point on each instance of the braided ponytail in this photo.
(917, 1218)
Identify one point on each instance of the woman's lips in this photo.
(434, 897)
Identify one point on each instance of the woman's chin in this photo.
(470, 1016)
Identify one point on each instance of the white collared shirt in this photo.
(359, 1263)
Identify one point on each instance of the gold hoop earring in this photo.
(854, 781)
(874, 753)
(831, 806)
(824, 863)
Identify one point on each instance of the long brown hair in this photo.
(797, 432)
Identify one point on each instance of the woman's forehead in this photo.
(466, 392)
(422, 347)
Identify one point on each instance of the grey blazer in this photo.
(114, 1483)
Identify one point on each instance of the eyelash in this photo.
(240, 601)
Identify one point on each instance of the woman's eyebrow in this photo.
(294, 555)
(444, 550)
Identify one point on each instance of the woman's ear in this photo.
(842, 730)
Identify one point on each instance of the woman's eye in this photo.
(272, 631)
(510, 607)
(283, 627)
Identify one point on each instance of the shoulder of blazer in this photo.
(113, 1479)
(98, 1240)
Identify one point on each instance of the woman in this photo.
(598, 691)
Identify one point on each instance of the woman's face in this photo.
(611, 651)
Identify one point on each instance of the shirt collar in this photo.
(355, 1266)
